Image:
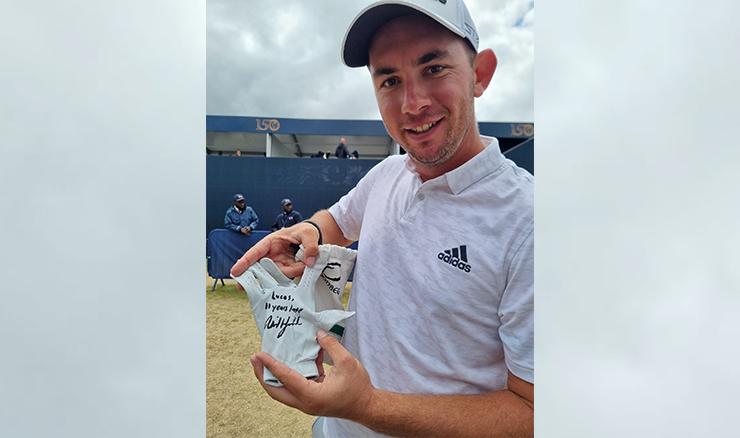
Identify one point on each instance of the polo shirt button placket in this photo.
(420, 196)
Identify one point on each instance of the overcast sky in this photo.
(282, 59)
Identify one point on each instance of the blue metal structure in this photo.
(503, 131)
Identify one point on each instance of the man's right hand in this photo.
(246, 230)
(277, 246)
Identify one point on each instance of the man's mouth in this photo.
(424, 128)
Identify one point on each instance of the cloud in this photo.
(283, 60)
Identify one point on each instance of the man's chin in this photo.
(430, 162)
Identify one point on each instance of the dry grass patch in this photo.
(236, 404)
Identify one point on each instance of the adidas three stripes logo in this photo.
(457, 257)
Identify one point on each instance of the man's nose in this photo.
(416, 97)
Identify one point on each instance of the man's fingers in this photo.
(309, 237)
(252, 256)
(320, 362)
(282, 395)
(289, 378)
(259, 371)
(292, 381)
(331, 346)
(310, 251)
(292, 271)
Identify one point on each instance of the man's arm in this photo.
(254, 220)
(276, 225)
(346, 392)
(229, 222)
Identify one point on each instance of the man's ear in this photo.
(483, 67)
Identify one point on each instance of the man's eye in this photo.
(390, 82)
(435, 69)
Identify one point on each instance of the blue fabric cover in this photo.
(226, 247)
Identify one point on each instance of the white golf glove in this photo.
(333, 279)
(286, 315)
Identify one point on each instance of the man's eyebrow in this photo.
(383, 72)
(431, 56)
(424, 59)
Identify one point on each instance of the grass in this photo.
(236, 404)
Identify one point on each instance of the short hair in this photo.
(470, 51)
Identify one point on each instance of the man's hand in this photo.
(345, 391)
(277, 246)
(246, 230)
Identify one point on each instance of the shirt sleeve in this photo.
(229, 222)
(253, 219)
(517, 312)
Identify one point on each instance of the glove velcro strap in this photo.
(306, 369)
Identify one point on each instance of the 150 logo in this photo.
(525, 129)
(265, 124)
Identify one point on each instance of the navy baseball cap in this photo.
(452, 14)
(286, 201)
(238, 198)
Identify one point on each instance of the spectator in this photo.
(288, 217)
(342, 151)
(240, 218)
(238, 152)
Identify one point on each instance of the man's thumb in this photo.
(330, 345)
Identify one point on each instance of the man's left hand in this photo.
(345, 391)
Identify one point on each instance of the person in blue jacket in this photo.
(288, 217)
(240, 218)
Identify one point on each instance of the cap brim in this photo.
(359, 35)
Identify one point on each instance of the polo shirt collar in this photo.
(472, 170)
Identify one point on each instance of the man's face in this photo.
(424, 85)
(287, 208)
(239, 204)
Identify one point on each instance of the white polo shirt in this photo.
(444, 278)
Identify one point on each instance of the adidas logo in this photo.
(457, 257)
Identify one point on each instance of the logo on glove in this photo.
(332, 268)
(457, 257)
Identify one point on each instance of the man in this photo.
(288, 217)
(240, 218)
(442, 343)
(342, 151)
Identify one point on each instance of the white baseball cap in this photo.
(452, 14)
